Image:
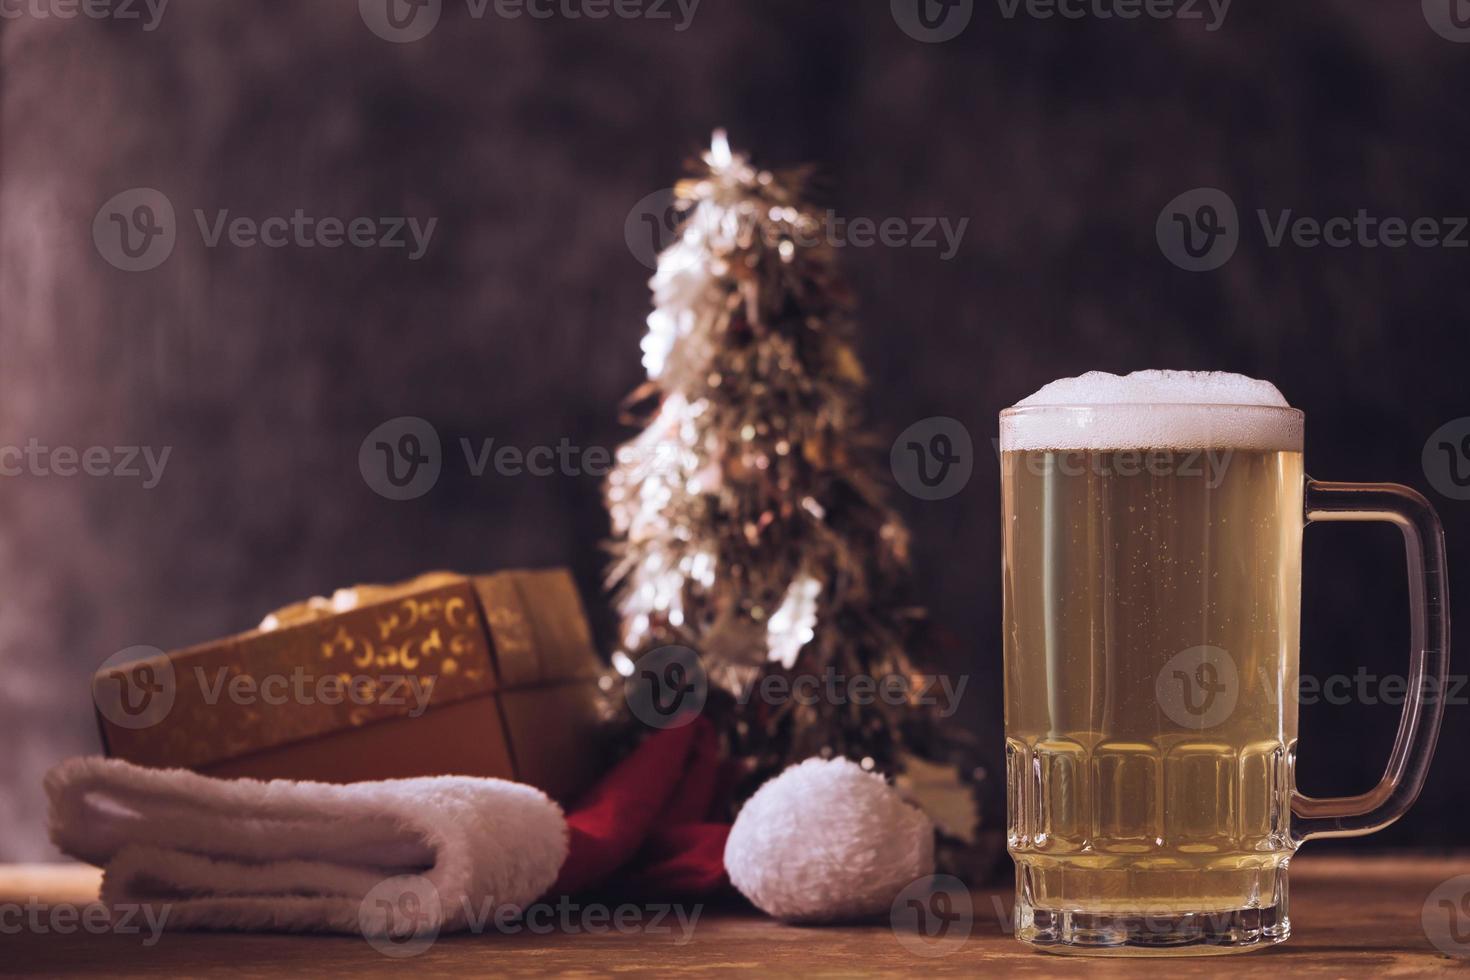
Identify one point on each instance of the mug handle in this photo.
(1429, 658)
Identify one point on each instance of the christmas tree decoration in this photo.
(749, 515)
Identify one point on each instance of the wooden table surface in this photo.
(1351, 917)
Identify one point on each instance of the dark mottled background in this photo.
(530, 140)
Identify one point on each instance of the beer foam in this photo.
(1153, 410)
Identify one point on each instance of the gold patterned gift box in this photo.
(486, 675)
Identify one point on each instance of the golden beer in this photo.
(1152, 615)
(1152, 577)
(1112, 576)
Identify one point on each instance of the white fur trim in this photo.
(825, 841)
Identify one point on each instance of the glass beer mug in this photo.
(1152, 571)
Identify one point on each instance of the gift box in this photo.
(486, 675)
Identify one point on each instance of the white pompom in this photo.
(824, 841)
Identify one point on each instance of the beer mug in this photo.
(1152, 570)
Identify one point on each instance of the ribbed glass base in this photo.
(1142, 933)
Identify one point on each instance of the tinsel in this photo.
(749, 515)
